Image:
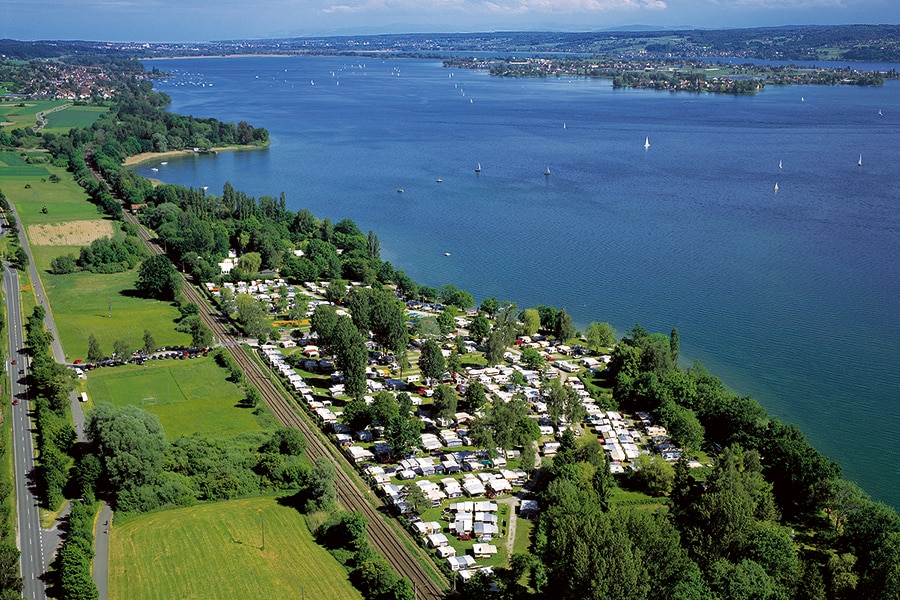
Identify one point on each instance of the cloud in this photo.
(505, 7)
(789, 4)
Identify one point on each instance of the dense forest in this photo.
(772, 519)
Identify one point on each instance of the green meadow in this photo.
(30, 189)
(23, 114)
(74, 116)
(82, 303)
(189, 396)
(216, 551)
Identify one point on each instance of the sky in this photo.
(208, 20)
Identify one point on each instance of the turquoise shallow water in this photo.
(791, 297)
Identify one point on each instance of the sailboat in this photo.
(564, 125)
(647, 143)
(547, 172)
(478, 168)
(776, 186)
(859, 162)
(779, 166)
(880, 114)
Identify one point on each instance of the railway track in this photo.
(388, 541)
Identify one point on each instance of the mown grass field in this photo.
(24, 116)
(81, 306)
(189, 396)
(215, 551)
(29, 189)
(75, 116)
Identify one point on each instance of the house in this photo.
(484, 550)
(424, 528)
(457, 563)
(359, 454)
(426, 466)
(473, 487)
(499, 486)
(463, 523)
(550, 448)
(445, 551)
(452, 488)
(436, 540)
(528, 508)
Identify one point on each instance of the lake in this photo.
(790, 296)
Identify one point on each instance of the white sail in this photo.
(647, 142)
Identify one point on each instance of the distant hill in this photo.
(873, 43)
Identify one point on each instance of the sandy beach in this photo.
(152, 156)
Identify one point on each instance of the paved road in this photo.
(101, 550)
(56, 346)
(30, 536)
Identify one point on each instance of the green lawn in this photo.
(74, 116)
(30, 189)
(189, 396)
(81, 304)
(24, 116)
(215, 551)
(10, 159)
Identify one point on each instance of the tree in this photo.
(94, 353)
(431, 361)
(600, 336)
(588, 554)
(529, 457)
(319, 487)
(531, 321)
(20, 258)
(251, 316)
(157, 278)
(201, 336)
(533, 359)
(445, 401)
(350, 356)
(564, 329)
(489, 306)
(475, 395)
(131, 445)
(403, 433)
(357, 415)
(250, 263)
(505, 424)
(496, 348)
(653, 474)
(415, 499)
(603, 482)
(446, 322)
(336, 291)
(385, 408)
(121, 351)
(480, 328)
(149, 343)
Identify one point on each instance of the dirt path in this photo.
(512, 501)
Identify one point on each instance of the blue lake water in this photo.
(792, 297)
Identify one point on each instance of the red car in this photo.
(15, 401)
(14, 361)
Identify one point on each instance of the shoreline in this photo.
(146, 157)
(245, 55)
